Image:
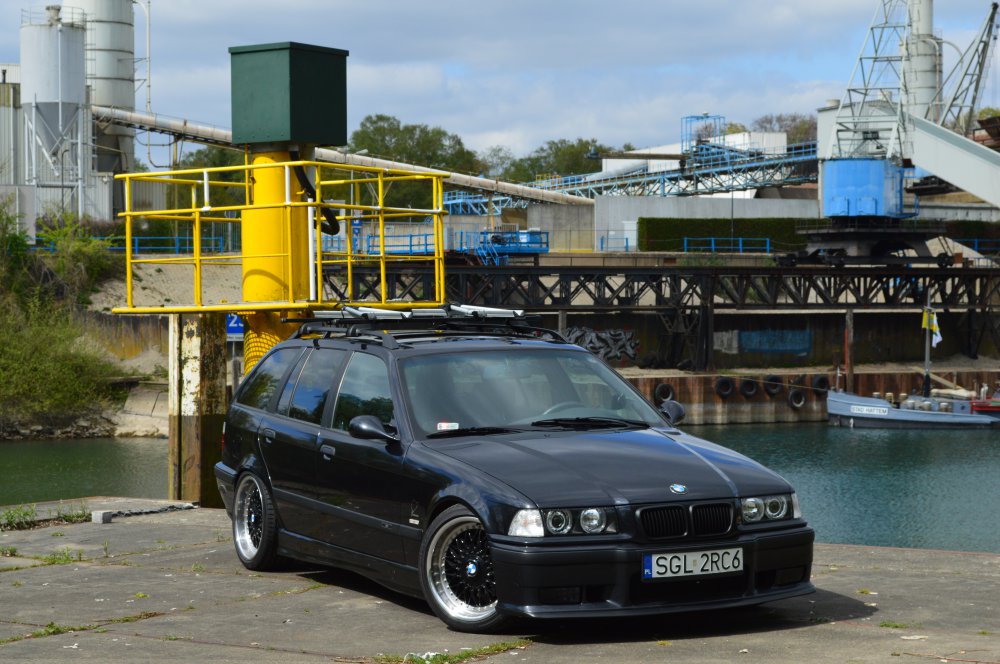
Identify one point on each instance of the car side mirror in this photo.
(369, 427)
(672, 409)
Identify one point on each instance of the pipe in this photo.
(224, 137)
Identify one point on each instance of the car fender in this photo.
(254, 463)
(493, 501)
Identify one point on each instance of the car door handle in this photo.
(269, 435)
(328, 451)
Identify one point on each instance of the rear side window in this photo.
(258, 389)
(313, 386)
(364, 391)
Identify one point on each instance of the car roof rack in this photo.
(389, 326)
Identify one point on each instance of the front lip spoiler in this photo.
(603, 610)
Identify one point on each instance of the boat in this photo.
(915, 412)
(932, 408)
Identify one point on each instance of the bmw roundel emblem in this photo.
(678, 488)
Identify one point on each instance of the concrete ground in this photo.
(167, 586)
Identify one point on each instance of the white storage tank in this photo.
(111, 74)
(53, 79)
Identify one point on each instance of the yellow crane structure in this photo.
(284, 248)
(287, 99)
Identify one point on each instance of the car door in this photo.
(359, 480)
(290, 435)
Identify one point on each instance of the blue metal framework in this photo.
(728, 244)
(491, 247)
(711, 165)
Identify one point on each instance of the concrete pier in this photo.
(166, 586)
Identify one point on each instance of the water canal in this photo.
(921, 489)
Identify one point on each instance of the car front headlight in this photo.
(558, 522)
(757, 509)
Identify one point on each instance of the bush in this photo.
(78, 259)
(667, 234)
(48, 369)
(14, 251)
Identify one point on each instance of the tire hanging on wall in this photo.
(748, 387)
(724, 386)
(820, 384)
(772, 385)
(663, 392)
(796, 398)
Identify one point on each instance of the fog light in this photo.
(561, 595)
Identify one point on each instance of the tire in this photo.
(456, 572)
(663, 392)
(255, 526)
(748, 388)
(772, 385)
(820, 384)
(724, 387)
(796, 398)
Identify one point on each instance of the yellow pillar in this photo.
(275, 251)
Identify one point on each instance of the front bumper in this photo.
(606, 580)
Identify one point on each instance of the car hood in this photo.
(576, 469)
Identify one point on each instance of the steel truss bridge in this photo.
(687, 299)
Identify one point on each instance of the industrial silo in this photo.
(53, 97)
(53, 81)
(111, 75)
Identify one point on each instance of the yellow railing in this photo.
(290, 224)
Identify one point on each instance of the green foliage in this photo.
(387, 137)
(14, 251)
(665, 234)
(982, 230)
(8, 551)
(78, 514)
(467, 655)
(17, 517)
(78, 259)
(798, 128)
(46, 369)
(988, 112)
(63, 556)
(557, 159)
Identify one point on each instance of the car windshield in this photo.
(486, 391)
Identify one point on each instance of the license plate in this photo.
(691, 563)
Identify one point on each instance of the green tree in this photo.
(496, 161)
(798, 128)
(736, 128)
(988, 112)
(558, 158)
(419, 144)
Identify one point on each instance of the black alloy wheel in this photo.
(456, 572)
(254, 524)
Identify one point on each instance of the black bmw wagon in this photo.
(497, 471)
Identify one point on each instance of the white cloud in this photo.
(520, 72)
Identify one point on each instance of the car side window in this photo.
(314, 383)
(258, 389)
(364, 391)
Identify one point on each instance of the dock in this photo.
(160, 582)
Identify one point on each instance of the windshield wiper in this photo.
(589, 422)
(471, 431)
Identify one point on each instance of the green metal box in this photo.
(289, 93)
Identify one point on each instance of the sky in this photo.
(518, 73)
